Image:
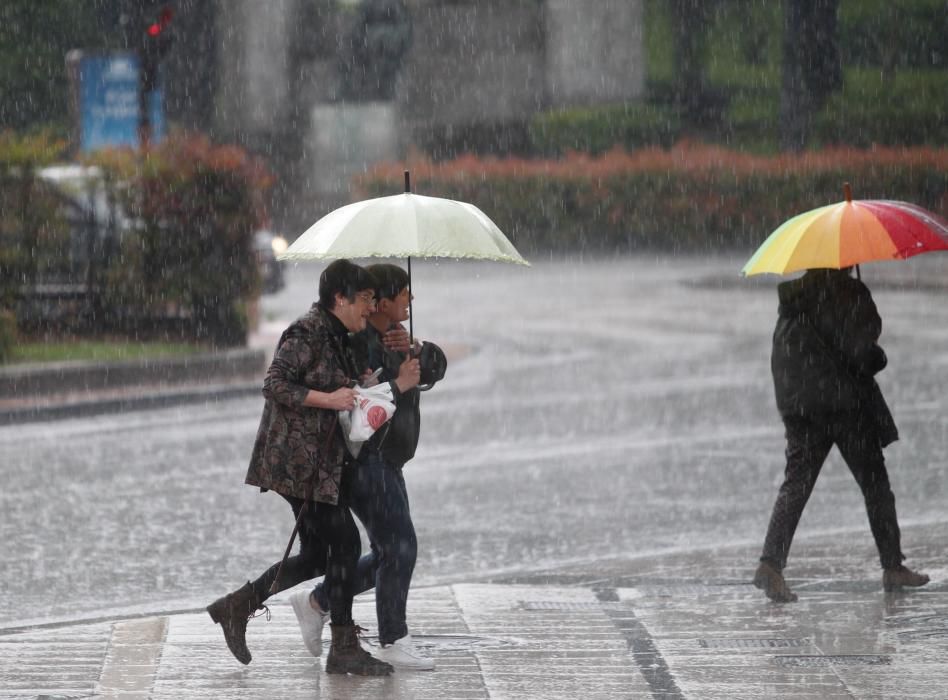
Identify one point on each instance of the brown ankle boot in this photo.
(232, 613)
(770, 580)
(899, 576)
(347, 656)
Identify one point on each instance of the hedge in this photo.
(689, 198)
(32, 234)
(597, 130)
(30, 231)
(196, 207)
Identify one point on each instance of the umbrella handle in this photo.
(275, 586)
(411, 327)
(411, 315)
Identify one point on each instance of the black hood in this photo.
(804, 294)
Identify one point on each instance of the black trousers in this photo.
(329, 544)
(808, 444)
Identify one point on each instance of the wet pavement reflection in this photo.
(606, 428)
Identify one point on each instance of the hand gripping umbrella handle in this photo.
(275, 587)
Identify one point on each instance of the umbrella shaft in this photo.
(411, 314)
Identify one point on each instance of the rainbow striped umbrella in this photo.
(849, 233)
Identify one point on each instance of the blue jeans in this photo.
(379, 499)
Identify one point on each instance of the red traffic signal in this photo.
(161, 23)
(156, 40)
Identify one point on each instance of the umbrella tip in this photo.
(407, 182)
(847, 190)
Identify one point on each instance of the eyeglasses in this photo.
(367, 298)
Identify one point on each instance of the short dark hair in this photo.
(390, 280)
(343, 277)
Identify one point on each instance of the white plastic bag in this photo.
(374, 406)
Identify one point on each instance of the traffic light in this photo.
(156, 40)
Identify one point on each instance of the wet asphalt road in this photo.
(592, 410)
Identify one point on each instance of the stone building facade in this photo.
(471, 77)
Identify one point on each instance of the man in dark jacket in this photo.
(825, 357)
(377, 494)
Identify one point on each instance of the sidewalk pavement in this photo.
(678, 625)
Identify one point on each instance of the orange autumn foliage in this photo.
(691, 196)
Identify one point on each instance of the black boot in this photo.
(770, 580)
(232, 613)
(898, 576)
(347, 656)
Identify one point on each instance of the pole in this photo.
(411, 315)
(144, 118)
(848, 194)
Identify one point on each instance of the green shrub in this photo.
(894, 33)
(689, 198)
(909, 109)
(32, 231)
(598, 129)
(894, 54)
(7, 334)
(197, 207)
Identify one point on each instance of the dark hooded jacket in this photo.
(826, 351)
(397, 440)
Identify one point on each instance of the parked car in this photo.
(267, 246)
(97, 223)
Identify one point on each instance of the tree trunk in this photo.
(811, 66)
(689, 25)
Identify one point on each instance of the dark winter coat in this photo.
(397, 441)
(293, 454)
(826, 351)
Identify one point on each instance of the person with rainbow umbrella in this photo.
(824, 360)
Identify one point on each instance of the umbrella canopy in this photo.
(404, 226)
(849, 233)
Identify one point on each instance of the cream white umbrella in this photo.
(402, 226)
(405, 226)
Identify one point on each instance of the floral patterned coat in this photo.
(300, 450)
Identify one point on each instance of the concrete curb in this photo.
(56, 378)
(147, 400)
(51, 391)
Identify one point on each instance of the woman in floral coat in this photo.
(301, 455)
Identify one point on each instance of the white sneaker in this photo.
(311, 622)
(403, 654)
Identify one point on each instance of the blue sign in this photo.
(108, 102)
